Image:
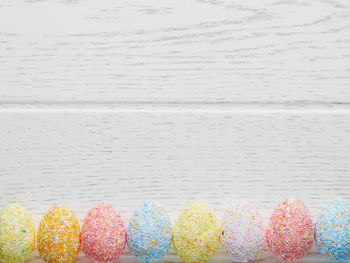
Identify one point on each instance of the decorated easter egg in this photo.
(58, 235)
(17, 234)
(149, 232)
(332, 231)
(290, 231)
(242, 232)
(196, 234)
(103, 235)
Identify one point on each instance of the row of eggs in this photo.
(195, 235)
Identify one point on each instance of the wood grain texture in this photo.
(177, 101)
(174, 51)
(126, 157)
(80, 158)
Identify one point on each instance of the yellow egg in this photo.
(196, 234)
(17, 234)
(59, 235)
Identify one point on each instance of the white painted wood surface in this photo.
(175, 157)
(79, 157)
(174, 51)
(176, 101)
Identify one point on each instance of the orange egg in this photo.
(58, 235)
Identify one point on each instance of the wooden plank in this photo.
(218, 258)
(184, 51)
(81, 157)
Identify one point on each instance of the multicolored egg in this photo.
(243, 232)
(17, 234)
(103, 235)
(332, 231)
(58, 235)
(149, 232)
(196, 234)
(290, 231)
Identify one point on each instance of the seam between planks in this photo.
(172, 107)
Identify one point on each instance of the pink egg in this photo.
(290, 232)
(103, 235)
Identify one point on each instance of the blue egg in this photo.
(149, 232)
(332, 231)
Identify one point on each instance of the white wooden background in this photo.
(208, 100)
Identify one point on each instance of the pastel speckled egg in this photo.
(17, 234)
(196, 234)
(149, 232)
(242, 232)
(58, 235)
(103, 235)
(332, 231)
(290, 232)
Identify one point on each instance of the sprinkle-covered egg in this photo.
(103, 235)
(290, 231)
(332, 231)
(58, 235)
(17, 234)
(242, 232)
(196, 234)
(149, 232)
